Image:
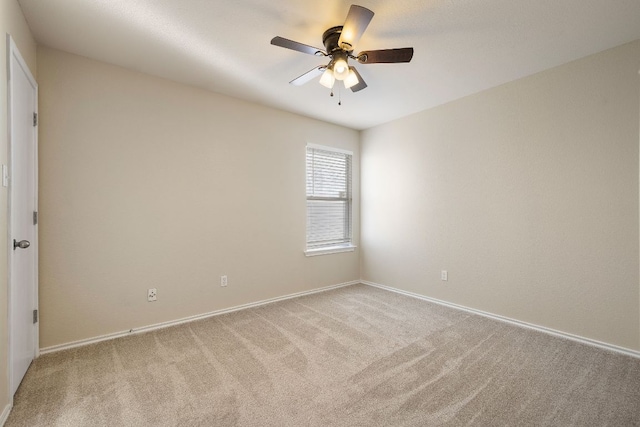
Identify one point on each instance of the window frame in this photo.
(342, 247)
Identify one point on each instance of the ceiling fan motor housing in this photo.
(337, 53)
(330, 40)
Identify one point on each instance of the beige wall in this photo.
(526, 193)
(145, 183)
(11, 22)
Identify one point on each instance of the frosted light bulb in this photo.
(340, 69)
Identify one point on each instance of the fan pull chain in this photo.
(339, 95)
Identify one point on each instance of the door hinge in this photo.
(35, 119)
(35, 316)
(35, 218)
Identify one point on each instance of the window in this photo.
(328, 200)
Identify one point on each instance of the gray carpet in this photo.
(355, 356)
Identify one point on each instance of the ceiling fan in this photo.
(339, 43)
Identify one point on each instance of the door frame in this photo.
(14, 54)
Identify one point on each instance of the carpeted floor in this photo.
(354, 356)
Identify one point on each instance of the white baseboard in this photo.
(5, 414)
(577, 338)
(572, 337)
(162, 325)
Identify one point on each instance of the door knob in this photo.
(22, 244)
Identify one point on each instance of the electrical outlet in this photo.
(152, 294)
(223, 280)
(444, 275)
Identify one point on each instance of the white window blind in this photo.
(328, 198)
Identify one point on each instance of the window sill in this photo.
(329, 250)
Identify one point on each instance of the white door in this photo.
(23, 279)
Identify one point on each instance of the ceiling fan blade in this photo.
(361, 83)
(308, 76)
(357, 21)
(386, 56)
(290, 44)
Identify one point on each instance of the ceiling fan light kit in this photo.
(339, 44)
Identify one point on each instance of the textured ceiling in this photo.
(461, 46)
